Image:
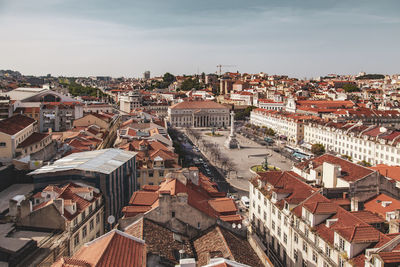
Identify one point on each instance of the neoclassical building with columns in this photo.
(198, 114)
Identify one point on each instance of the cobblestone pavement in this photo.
(248, 155)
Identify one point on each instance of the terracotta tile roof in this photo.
(15, 124)
(131, 211)
(320, 207)
(204, 198)
(351, 172)
(150, 187)
(390, 257)
(392, 172)
(359, 234)
(221, 242)
(223, 205)
(368, 216)
(377, 205)
(115, 248)
(289, 183)
(143, 198)
(32, 139)
(160, 240)
(198, 105)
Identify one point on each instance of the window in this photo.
(341, 262)
(305, 247)
(327, 250)
(90, 209)
(304, 263)
(315, 257)
(279, 231)
(295, 256)
(75, 221)
(91, 224)
(296, 238)
(151, 174)
(279, 215)
(285, 238)
(84, 231)
(285, 221)
(173, 214)
(161, 173)
(2, 144)
(273, 226)
(306, 231)
(83, 215)
(341, 243)
(76, 240)
(97, 218)
(259, 209)
(265, 215)
(326, 264)
(273, 210)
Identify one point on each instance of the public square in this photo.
(250, 153)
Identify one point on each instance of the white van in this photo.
(245, 201)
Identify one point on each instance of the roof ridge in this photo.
(224, 240)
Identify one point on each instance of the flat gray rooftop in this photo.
(12, 191)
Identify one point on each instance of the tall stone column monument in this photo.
(231, 141)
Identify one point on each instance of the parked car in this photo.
(245, 201)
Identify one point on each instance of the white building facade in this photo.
(357, 145)
(198, 114)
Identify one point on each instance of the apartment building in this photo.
(77, 210)
(298, 226)
(373, 144)
(130, 101)
(154, 161)
(245, 97)
(59, 116)
(13, 132)
(287, 125)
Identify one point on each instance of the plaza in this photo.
(249, 154)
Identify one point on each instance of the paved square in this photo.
(249, 154)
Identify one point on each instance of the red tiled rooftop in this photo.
(375, 205)
(350, 171)
(112, 249)
(15, 124)
(32, 139)
(143, 198)
(392, 172)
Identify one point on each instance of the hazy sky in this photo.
(302, 38)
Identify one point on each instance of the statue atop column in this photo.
(231, 141)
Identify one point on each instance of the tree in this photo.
(243, 114)
(190, 83)
(351, 87)
(168, 78)
(318, 149)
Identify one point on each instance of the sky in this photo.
(299, 38)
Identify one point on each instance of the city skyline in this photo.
(125, 38)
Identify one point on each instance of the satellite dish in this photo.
(233, 225)
(111, 219)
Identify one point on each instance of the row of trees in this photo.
(76, 89)
(212, 151)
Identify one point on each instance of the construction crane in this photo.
(220, 68)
